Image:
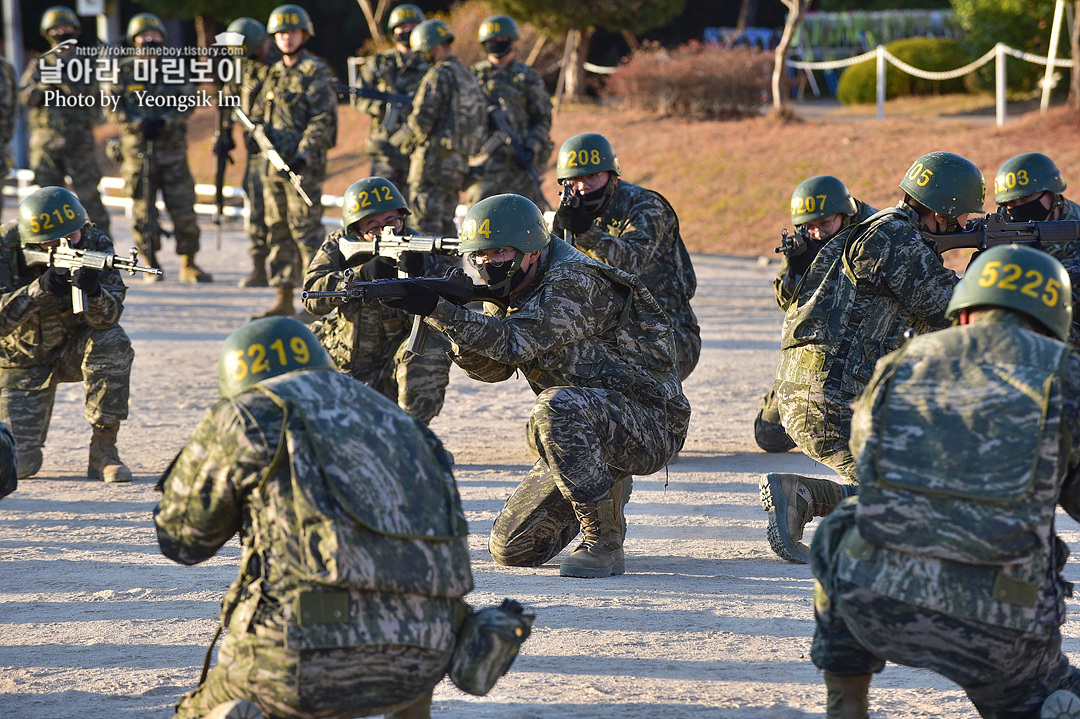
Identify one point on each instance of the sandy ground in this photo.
(707, 622)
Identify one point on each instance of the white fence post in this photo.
(1048, 76)
(999, 77)
(880, 81)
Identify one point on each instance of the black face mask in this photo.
(502, 279)
(57, 39)
(597, 200)
(500, 47)
(153, 46)
(1028, 211)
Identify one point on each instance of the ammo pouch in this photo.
(487, 646)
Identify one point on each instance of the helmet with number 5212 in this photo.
(368, 197)
(48, 214)
(946, 183)
(266, 348)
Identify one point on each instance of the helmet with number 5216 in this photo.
(265, 348)
(48, 214)
(1018, 278)
(946, 183)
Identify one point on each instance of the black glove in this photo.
(378, 268)
(152, 127)
(55, 281)
(87, 281)
(524, 158)
(223, 143)
(298, 164)
(251, 145)
(412, 262)
(572, 216)
(420, 300)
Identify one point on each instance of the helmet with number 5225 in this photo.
(1027, 174)
(1018, 278)
(266, 348)
(819, 197)
(368, 197)
(48, 214)
(289, 17)
(946, 183)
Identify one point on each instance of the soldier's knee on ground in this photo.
(28, 461)
(770, 435)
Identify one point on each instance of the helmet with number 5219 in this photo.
(266, 348)
(946, 183)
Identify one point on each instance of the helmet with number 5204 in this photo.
(48, 214)
(946, 183)
(266, 348)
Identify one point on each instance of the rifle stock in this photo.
(224, 130)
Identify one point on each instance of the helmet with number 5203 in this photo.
(368, 197)
(1027, 174)
(289, 17)
(1018, 278)
(48, 214)
(946, 183)
(819, 197)
(266, 348)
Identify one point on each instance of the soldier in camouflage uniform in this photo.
(355, 556)
(254, 67)
(1028, 187)
(153, 136)
(62, 136)
(948, 558)
(9, 115)
(632, 228)
(298, 109)
(599, 353)
(43, 343)
(821, 207)
(861, 293)
(519, 91)
(444, 129)
(368, 341)
(397, 71)
(9, 476)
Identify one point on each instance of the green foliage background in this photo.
(555, 17)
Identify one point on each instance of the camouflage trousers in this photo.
(434, 205)
(819, 422)
(498, 178)
(254, 172)
(9, 481)
(394, 169)
(99, 358)
(1006, 673)
(295, 230)
(334, 683)
(768, 429)
(177, 187)
(374, 353)
(687, 341)
(50, 165)
(587, 440)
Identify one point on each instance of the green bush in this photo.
(858, 83)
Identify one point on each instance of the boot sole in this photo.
(776, 504)
(574, 570)
(1061, 705)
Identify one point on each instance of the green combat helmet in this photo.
(49, 214)
(428, 34)
(586, 154)
(254, 33)
(404, 14)
(498, 26)
(819, 197)
(56, 16)
(368, 197)
(1025, 175)
(504, 221)
(946, 183)
(289, 17)
(145, 21)
(265, 348)
(1045, 294)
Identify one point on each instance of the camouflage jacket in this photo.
(390, 72)
(521, 93)
(36, 326)
(57, 126)
(9, 109)
(787, 283)
(580, 323)
(298, 107)
(350, 523)
(1068, 253)
(943, 522)
(252, 76)
(639, 234)
(447, 122)
(172, 95)
(861, 293)
(9, 480)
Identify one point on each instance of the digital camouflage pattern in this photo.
(520, 92)
(42, 344)
(639, 234)
(948, 563)
(8, 475)
(9, 111)
(298, 108)
(599, 353)
(169, 171)
(354, 558)
(446, 126)
(1068, 253)
(864, 289)
(367, 341)
(391, 72)
(62, 136)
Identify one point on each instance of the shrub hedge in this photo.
(858, 83)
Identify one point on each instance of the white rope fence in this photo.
(997, 53)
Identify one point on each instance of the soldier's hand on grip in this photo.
(420, 301)
(572, 215)
(86, 280)
(55, 281)
(378, 268)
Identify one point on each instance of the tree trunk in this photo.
(748, 14)
(577, 53)
(796, 13)
(375, 16)
(1074, 73)
(541, 40)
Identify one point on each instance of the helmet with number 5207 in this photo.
(266, 348)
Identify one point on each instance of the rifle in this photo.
(71, 258)
(150, 198)
(223, 143)
(394, 100)
(994, 230)
(268, 149)
(522, 157)
(792, 244)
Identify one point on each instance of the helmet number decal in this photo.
(471, 229)
(920, 175)
(581, 158)
(994, 274)
(810, 203)
(260, 359)
(1011, 180)
(363, 198)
